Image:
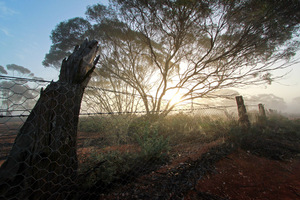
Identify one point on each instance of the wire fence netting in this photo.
(118, 151)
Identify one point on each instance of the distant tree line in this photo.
(17, 94)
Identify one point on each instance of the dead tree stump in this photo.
(42, 163)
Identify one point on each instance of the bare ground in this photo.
(212, 170)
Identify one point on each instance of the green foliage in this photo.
(185, 127)
(218, 126)
(180, 123)
(87, 124)
(277, 138)
(137, 125)
(72, 33)
(282, 124)
(153, 146)
(112, 128)
(115, 166)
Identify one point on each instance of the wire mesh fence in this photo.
(116, 145)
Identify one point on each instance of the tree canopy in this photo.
(162, 48)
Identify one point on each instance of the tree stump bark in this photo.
(42, 163)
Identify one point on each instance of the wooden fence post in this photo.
(243, 116)
(261, 118)
(261, 110)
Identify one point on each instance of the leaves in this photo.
(18, 68)
(2, 70)
(64, 37)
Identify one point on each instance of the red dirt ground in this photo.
(239, 176)
(243, 176)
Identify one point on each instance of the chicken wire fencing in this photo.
(102, 157)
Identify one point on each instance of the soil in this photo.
(244, 176)
(209, 170)
(217, 171)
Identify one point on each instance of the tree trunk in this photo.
(42, 163)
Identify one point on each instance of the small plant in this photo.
(137, 125)
(91, 125)
(105, 168)
(153, 146)
(116, 166)
(278, 139)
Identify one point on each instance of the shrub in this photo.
(113, 128)
(116, 166)
(153, 146)
(278, 139)
(91, 124)
(137, 125)
(181, 128)
(108, 167)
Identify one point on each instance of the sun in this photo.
(173, 97)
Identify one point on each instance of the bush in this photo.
(91, 124)
(115, 166)
(278, 139)
(108, 167)
(153, 146)
(113, 128)
(194, 128)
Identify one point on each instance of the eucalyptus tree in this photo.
(101, 24)
(192, 48)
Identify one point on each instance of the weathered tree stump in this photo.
(42, 163)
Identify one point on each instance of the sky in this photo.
(26, 25)
(25, 28)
